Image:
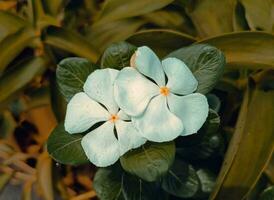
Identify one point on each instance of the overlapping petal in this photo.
(132, 91)
(191, 109)
(123, 116)
(180, 78)
(157, 123)
(82, 113)
(99, 86)
(147, 62)
(101, 145)
(128, 136)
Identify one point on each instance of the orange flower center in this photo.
(114, 118)
(164, 91)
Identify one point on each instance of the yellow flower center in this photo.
(164, 91)
(114, 118)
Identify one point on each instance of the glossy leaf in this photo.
(253, 50)
(149, 162)
(66, 148)
(71, 42)
(170, 40)
(71, 75)
(258, 14)
(13, 45)
(212, 17)
(253, 138)
(108, 183)
(268, 194)
(9, 24)
(181, 180)
(206, 63)
(119, 9)
(117, 55)
(19, 76)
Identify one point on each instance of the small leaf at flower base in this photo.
(149, 162)
(268, 194)
(207, 143)
(181, 180)
(134, 188)
(108, 183)
(66, 148)
(117, 55)
(71, 75)
(206, 63)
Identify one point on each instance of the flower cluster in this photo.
(150, 100)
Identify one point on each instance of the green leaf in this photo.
(212, 17)
(108, 183)
(206, 63)
(251, 146)
(13, 44)
(119, 9)
(208, 142)
(181, 180)
(117, 55)
(207, 180)
(134, 188)
(111, 32)
(9, 24)
(214, 102)
(66, 148)
(7, 124)
(71, 75)
(149, 162)
(71, 42)
(170, 40)
(258, 14)
(253, 50)
(54, 7)
(19, 76)
(268, 194)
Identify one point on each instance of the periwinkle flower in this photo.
(159, 96)
(105, 144)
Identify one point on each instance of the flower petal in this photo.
(157, 123)
(99, 86)
(148, 63)
(132, 91)
(191, 109)
(128, 136)
(82, 113)
(101, 145)
(180, 78)
(123, 116)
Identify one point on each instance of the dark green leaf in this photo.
(117, 55)
(71, 42)
(108, 183)
(119, 9)
(206, 63)
(207, 180)
(208, 142)
(150, 161)
(268, 194)
(71, 75)
(13, 44)
(170, 40)
(181, 180)
(134, 188)
(19, 76)
(66, 148)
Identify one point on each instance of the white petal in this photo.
(191, 109)
(99, 86)
(101, 145)
(82, 113)
(157, 123)
(149, 64)
(123, 116)
(180, 78)
(128, 136)
(132, 91)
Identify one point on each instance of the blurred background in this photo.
(36, 34)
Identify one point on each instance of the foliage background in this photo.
(36, 34)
